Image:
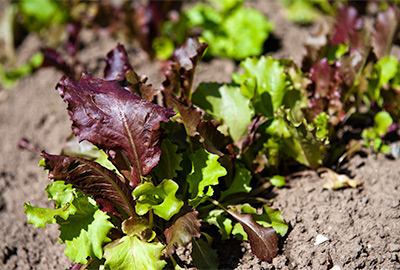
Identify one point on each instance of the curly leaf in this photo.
(218, 218)
(85, 233)
(63, 195)
(161, 199)
(263, 241)
(117, 63)
(91, 178)
(347, 23)
(130, 252)
(205, 173)
(114, 119)
(182, 231)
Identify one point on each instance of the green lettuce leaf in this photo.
(226, 104)
(204, 257)
(205, 173)
(169, 161)
(264, 81)
(161, 199)
(130, 252)
(240, 182)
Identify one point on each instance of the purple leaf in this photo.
(263, 240)
(181, 68)
(386, 27)
(348, 23)
(72, 44)
(91, 178)
(117, 63)
(182, 231)
(116, 120)
(52, 58)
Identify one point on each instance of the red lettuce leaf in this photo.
(115, 120)
(117, 63)
(91, 178)
(180, 71)
(386, 28)
(177, 87)
(263, 240)
(327, 91)
(52, 58)
(347, 24)
(182, 231)
(72, 44)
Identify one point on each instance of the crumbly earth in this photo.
(362, 225)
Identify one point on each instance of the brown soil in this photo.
(362, 225)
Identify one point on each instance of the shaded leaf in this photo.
(91, 178)
(240, 182)
(182, 231)
(138, 86)
(214, 141)
(218, 218)
(263, 241)
(135, 225)
(130, 252)
(117, 63)
(204, 257)
(161, 199)
(169, 162)
(114, 119)
(384, 32)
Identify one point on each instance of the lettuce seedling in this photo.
(164, 178)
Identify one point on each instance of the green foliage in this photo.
(205, 173)
(130, 252)
(373, 135)
(227, 105)
(204, 257)
(160, 199)
(307, 11)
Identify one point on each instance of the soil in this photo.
(362, 225)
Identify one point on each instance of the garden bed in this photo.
(361, 224)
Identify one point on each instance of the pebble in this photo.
(394, 247)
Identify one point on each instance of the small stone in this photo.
(320, 239)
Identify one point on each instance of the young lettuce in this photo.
(160, 183)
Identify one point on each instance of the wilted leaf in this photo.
(113, 119)
(263, 241)
(204, 257)
(130, 252)
(334, 180)
(117, 63)
(182, 231)
(161, 199)
(91, 178)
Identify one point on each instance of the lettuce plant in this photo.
(164, 175)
